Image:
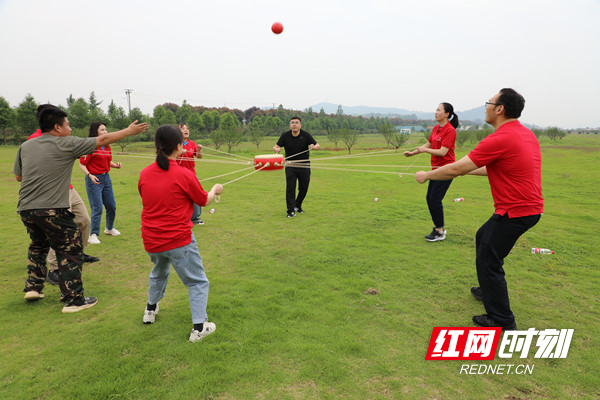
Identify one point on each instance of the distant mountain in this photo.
(475, 114)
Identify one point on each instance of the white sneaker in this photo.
(150, 316)
(112, 232)
(93, 239)
(35, 295)
(207, 329)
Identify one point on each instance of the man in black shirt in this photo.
(297, 144)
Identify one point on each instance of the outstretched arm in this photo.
(418, 150)
(441, 152)
(133, 129)
(448, 171)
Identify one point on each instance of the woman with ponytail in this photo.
(440, 145)
(168, 194)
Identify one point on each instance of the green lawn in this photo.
(288, 295)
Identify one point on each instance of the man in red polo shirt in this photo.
(511, 159)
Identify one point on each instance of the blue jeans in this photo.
(101, 195)
(187, 262)
(196, 213)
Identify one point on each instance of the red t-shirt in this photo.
(38, 133)
(187, 159)
(443, 137)
(35, 134)
(99, 161)
(514, 166)
(167, 200)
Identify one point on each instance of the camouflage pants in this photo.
(54, 228)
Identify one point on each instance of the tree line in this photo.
(226, 127)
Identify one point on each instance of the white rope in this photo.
(355, 155)
(296, 163)
(227, 162)
(351, 169)
(253, 172)
(229, 173)
(297, 154)
(153, 156)
(229, 154)
(360, 165)
(416, 158)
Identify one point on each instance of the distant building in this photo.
(408, 129)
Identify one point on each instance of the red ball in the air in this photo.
(277, 28)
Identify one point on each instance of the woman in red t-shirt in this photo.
(96, 167)
(440, 145)
(168, 193)
(186, 159)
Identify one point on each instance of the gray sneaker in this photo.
(207, 329)
(435, 236)
(87, 303)
(150, 316)
(52, 278)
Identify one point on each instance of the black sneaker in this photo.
(291, 214)
(299, 210)
(198, 222)
(52, 278)
(487, 321)
(476, 292)
(89, 259)
(435, 236)
(87, 303)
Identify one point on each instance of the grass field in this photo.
(288, 295)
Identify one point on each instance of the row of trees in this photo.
(476, 135)
(227, 127)
(212, 123)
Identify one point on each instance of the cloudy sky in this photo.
(410, 54)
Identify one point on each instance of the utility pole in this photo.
(128, 93)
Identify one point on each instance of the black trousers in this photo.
(494, 240)
(435, 194)
(302, 175)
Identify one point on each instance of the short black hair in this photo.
(512, 101)
(94, 126)
(48, 116)
(295, 117)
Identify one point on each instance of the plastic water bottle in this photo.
(459, 199)
(537, 250)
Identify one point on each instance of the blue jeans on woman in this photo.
(187, 262)
(99, 196)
